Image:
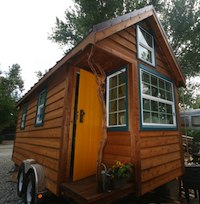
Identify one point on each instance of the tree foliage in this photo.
(189, 97)
(180, 19)
(79, 20)
(11, 86)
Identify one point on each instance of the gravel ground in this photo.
(8, 192)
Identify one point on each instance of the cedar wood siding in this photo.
(156, 155)
(43, 143)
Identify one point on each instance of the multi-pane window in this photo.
(41, 108)
(157, 101)
(117, 99)
(23, 118)
(145, 45)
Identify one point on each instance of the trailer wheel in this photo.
(21, 180)
(30, 193)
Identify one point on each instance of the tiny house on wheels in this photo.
(112, 97)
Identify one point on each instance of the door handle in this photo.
(82, 113)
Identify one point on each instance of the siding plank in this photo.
(159, 160)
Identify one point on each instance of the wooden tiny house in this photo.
(62, 119)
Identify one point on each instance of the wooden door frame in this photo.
(74, 119)
(71, 122)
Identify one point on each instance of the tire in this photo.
(30, 194)
(21, 180)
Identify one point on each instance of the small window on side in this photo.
(39, 120)
(117, 113)
(23, 117)
(145, 46)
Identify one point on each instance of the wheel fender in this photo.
(27, 164)
(30, 165)
(39, 177)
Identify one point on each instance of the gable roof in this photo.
(107, 28)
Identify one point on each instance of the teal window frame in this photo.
(162, 107)
(123, 99)
(23, 116)
(143, 44)
(40, 112)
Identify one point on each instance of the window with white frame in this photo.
(145, 45)
(117, 99)
(23, 118)
(41, 108)
(157, 101)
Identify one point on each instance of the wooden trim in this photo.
(71, 122)
(179, 129)
(134, 123)
(65, 127)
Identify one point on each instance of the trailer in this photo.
(112, 97)
(190, 119)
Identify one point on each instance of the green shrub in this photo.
(192, 133)
(1, 139)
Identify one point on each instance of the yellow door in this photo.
(88, 127)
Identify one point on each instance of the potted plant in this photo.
(120, 173)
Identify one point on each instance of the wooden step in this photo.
(85, 191)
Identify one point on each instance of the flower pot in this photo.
(118, 183)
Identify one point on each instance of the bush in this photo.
(1, 139)
(192, 133)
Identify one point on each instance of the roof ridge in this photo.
(114, 21)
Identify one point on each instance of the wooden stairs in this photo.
(85, 191)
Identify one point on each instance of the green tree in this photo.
(40, 74)
(11, 87)
(181, 20)
(196, 104)
(179, 17)
(188, 97)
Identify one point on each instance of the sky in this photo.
(24, 29)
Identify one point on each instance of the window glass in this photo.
(23, 117)
(41, 108)
(145, 38)
(145, 44)
(117, 99)
(158, 108)
(145, 54)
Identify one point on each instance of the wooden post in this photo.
(100, 79)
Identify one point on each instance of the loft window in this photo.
(157, 101)
(117, 99)
(145, 46)
(23, 117)
(41, 108)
